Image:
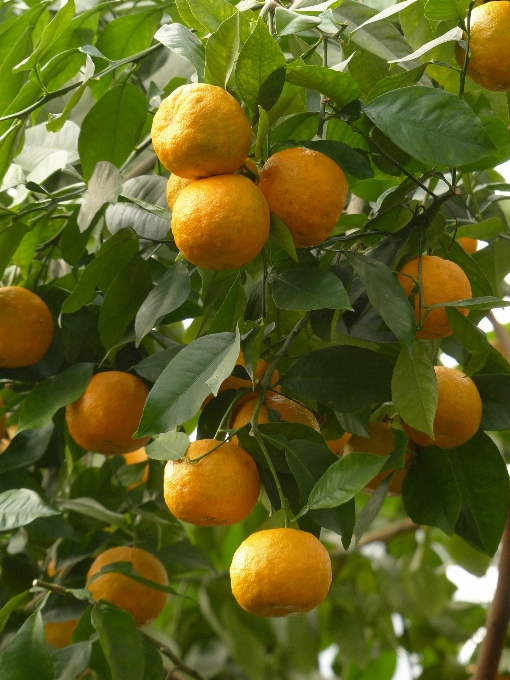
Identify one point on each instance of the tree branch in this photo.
(178, 664)
(384, 534)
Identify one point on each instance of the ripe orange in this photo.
(459, 411)
(220, 489)
(307, 191)
(26, 327)
(441, 281)
(337, 445)
(107, 414)
(469, 244)
(220, 222)
(59, 633)
(489, 65)
(380, 443)
(280, 572)
(289, 409)
(201, 130)
(138, 456)
(142, 602)
(174, 186)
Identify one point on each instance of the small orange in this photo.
(220, 489)
(59, 633)
(174, 186)
(106, 416)
(280, 572)
(307, 191)
(441, 281)
(459, 411)
(201, 130)
(142, 602)
(470, 245)
(26, 327)
(380, 443)
(138, 456)
(337, 445)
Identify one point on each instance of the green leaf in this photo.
(19, 507)
(430, 492)
(57, 121)
(11, 30)
(478, 466)
(91, 508)
(289, 22)
(470, 266)
(386, 296)
(170, 446)
(434, 126)
(353, 161)
(10, 238)
(211, 13)
(169, 294)
(51, 394)
(26, 448)
(307, 289)
(183, 42)
(372, 508)
(345, 378)
(71, 661)
(470, 337)
(158, 211)
(481, 303)
(396, 81)
(494, 261)
(344, 479)
(495, 393)
(282, 237)
(260, 70)
(262, 130)
(122, 300)
(12, 82)
(221, 51)
(11, 605)
(27, 656)
(450, 36)
(120, 642)
(414, 389)
(112, 127)
(340, 87)
(129, 34)
(189, 378)
(153, 662)
(385, 14)
(445, 10)
(485, 230)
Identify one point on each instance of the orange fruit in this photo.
(138, 456)
(489, 65)
(380, 443)
(459, 411)
(174, 186)
(220, 489)
(469, 244)
(59, 633)
(280, 572)
(142, 602)
(106, 416)
(26, 327)
(201, 130)
(290, 410)
(441, 281)
(307, 191)
(221, 222)
(337, 445)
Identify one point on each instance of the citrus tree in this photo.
(190, 412)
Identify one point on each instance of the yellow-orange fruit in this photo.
(138, 456)
(174, 186)
(106, 416)
(26, 327)
(201, 130)
(380, 443)
(280, 572)
(221, 222)
(459, 411)
(59, 633)
(489, 63)
(307, 191)
(220, 489)
(470, 245)
(143, 603)
(441, 281)
(337, 445)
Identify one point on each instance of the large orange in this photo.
(459, 411)
(142, 602)
(280, 572)
(106, 416)
(26, 327)
(201, 130)
(307, 191)
(220, 222)
(174, 186)
(441, 281)
(220, 489)
(59, 633)
(489, 65)
(470, 245)
(380, 443)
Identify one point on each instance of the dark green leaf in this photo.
(396, 81)
(307, 289)
(476, 273)
(211, 13)
(444, 10)
(282, 237)
(231, 310)
(221, 51)
(353, 161)
(19, 507)
(10, 238)
(11, 605)
(120, 641)
(70, 662)
(340, 87)
(371, 509)
(470, 337)
(27, 448)
(340, 520)
(91, 508)
(262, 130)
(27, 656)
(153, 663)
(128, 34)
(495, 393)
(170, 446)
(479, 303)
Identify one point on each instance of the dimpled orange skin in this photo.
(138, 456)
(280, 572)
(442, 281)
(307, 191)
(336, 445)
(470, 245)
(200, 130)
(221, 222)
(59, 633)
(459, 411)
(107, 414)
(143, 603)
(219, 490)
(26, 327)
(174, 186)
(380, 443)
(489, 65)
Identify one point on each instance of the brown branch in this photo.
(178, 664)
(385, 534)
(50, 586)
(142, 168)
(502, 335)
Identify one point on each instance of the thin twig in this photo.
(142, 168)
(179, 665)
